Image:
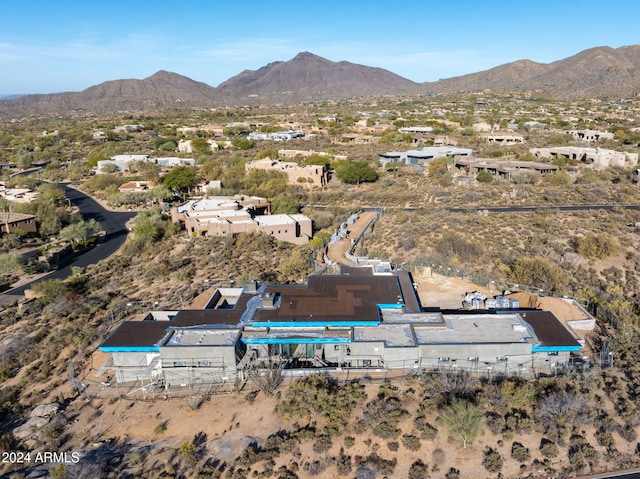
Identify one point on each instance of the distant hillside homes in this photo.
(287, 135)
(231, 215)
(120, 163)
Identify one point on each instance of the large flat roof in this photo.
(479, 328)
(392, 335)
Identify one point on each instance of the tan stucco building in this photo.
(306, 176)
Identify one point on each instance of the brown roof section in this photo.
(332, 298)
(548, 329)
(137, 334)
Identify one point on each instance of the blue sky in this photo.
(49, 46)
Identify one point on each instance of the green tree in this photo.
(241, 143)
(356, 172)
(296, 266)
(9, 264)
(284, 205)
(51, 194)
(180, 179)
(80, 231)
(464, 421)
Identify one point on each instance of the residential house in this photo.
(225, 216)
(596, 158)
(503, 138)
(306, 176)
(286, 135)
(136, 186)
(17, 222)
(503, 168)
(424, 155)
(359, 319)
(590, 136)
(17, 195)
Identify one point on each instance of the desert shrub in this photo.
(393, 446)
(548, 448)
(581, 453)
(375, 464)
(517, 393)
(187, 448)
(349, 441)
(418, 470)
(317, 467)
(596, 246)
(484, 177)
(427, 430)
(519, 452)
(605, 439)
(558, 410)
(319, 396)
(452, 473)
(628, 433)
(160, 428)
(495, 422)
(492, 461)
(519, 421)
(323, 443)
(438, 455)
(411, 442)
(537, 271)
(559, 178)
(385, 412)
(455, 246)
(343, 465)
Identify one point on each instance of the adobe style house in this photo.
(596, 158)
(503, 168)
(306, 176)
(230, 215)
(13, 222)
(503, 138)
(358, 319)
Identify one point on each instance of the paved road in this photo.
(510, 209)
(114, 223)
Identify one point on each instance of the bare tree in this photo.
(267, 374)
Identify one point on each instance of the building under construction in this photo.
(359, 319)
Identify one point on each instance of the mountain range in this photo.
(600, 72)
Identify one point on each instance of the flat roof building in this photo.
(357, 319)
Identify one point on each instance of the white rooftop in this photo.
(483, 328)
(203, 337)
(273, 220)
